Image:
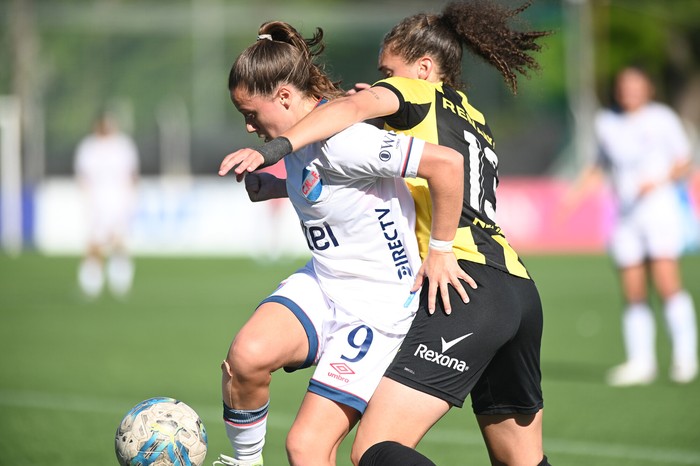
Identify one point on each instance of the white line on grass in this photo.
(211, 414)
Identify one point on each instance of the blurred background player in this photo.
(646, 153)
(106, 168)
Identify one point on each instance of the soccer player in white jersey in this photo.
(106, 167)
(349, 308)
(645, 151)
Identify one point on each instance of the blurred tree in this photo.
(664, 37)
(72, 57)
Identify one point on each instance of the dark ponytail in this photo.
(480, 25)
(282, 56)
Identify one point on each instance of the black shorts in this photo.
(489, 347)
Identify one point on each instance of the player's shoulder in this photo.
(660, 110)
(607, 116)
(351, 136)
(409, 88)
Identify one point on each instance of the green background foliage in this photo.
(75, 57)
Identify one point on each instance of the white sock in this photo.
(639, 333)
(120, 274)
(246, 431)
(682, 327)
(90, 277)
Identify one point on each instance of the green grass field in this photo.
(70, 369)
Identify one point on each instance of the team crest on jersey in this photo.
(311, 183)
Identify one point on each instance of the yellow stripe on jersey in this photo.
(465, 246)
(441, 115)
(512, 262)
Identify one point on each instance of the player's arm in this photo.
(336, 115)
(590, 179)
(322, 123)
(680, 169)
(265, 186)
(443, 168)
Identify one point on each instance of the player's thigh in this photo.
(664, 232)
(272, 338)
(634, 282)
(319, 428)
(511, 382)
(513, 439)
(399, 413)
(284, 330)
(354, 357)
(667, 276)
(627, 245)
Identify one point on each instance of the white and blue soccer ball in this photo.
(161, 432)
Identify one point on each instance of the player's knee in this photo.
(356, 456)
(248, 356)
(391, 453)
(358, 450)
(302, 448)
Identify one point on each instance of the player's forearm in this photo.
(279, 189)
(445, 176)
(447, 207)
(681, 169)
(339, 114)
(324, 122)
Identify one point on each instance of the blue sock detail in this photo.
(243, 416)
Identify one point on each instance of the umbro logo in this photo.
(342, 368)
(341, 371)
(446, 345)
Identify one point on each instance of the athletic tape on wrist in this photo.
(439, 245)
(273, 151)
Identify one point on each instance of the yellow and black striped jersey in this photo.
(441, 115)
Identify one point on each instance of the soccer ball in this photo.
(161, 432)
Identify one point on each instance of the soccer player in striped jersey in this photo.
(490, 346)
(347, 310)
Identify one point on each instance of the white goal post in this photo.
(10, 176)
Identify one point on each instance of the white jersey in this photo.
(107, 165)
(358, 219)
(640, 147)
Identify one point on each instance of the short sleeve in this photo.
(365, 151)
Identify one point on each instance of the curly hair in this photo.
(282, 56)
(480, 25)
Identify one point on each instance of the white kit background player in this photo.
(646, 152)
(106, 168)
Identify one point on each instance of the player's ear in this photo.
(425, 67)
(284, 95)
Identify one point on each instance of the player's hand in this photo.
(242, 161)
(442, 270)
(357, 88)
(260, 186)
(648, 186)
